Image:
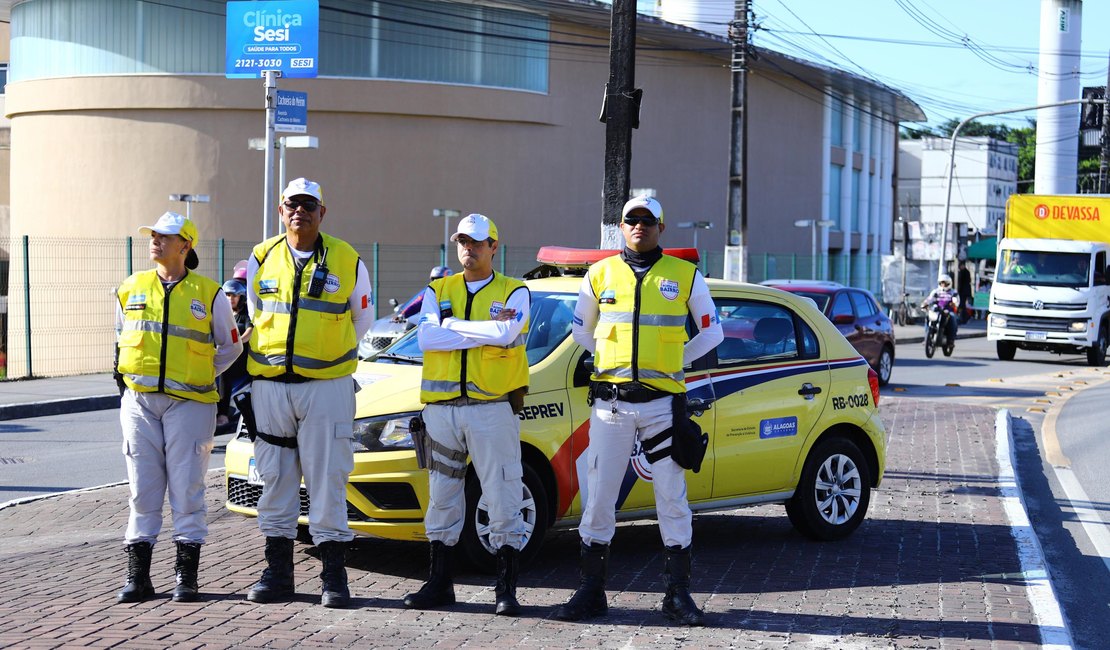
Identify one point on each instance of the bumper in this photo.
(386, 493)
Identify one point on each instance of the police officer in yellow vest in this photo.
(176, 334)
(631, 313)
(472, 331)
(309, 299)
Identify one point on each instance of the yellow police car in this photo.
(794, 420)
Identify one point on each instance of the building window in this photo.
(835, 173)
(836, 122)
(856, 200)
(415, 40)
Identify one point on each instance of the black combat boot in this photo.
(677, 603)
(508, 565)
(138, 587)
(439, 590)
(334, 575)
(276, 584)
(188, 561)
(589, 600)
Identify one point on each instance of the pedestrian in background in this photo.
(175, 336)
(472, 331)
(631, 313)
(963, 289)
(309, 299)
(233, 378)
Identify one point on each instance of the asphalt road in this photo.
(58, 453)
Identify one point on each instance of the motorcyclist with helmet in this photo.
(236, 291)
(948, 302)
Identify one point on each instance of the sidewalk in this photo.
(935, 565)
(28, 398)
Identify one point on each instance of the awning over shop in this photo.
(984, 249)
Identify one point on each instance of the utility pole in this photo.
(620, 113)
(736, 244)
(1104, 154)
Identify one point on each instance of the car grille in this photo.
(244, 495)
(1055, 306)
(1040, 324)
(381, 342)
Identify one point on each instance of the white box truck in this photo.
(1050, 289)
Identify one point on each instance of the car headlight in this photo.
(1078, 326)
(997, 320)
(386, 433)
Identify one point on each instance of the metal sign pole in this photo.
(270, 77)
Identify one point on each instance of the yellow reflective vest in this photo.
(295, 334)
(166, 344)
(485, 372)
(641, 328)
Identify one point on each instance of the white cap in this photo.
(643, 202)
(303, 186)
(477, 227)
(171, 223)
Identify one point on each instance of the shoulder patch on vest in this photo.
(267, 286)
(136, 302)
(607, 297)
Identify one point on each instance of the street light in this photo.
(952, 162)
(696, 225)
(447, 215)
(812, 224)
(283, 143)
(189, 200)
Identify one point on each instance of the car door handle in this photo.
(809, 390)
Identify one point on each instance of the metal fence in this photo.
(58, 318)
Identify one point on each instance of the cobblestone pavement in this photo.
(933, 566)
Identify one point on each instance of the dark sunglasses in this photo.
(309, 205)
(647, 221)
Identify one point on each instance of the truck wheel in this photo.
(1006, 350)
(475, 535)
(1096, 354)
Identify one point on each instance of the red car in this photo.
(857, 315)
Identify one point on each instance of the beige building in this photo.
(487, 107)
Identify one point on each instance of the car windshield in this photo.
(550, 325)
(1045, 269)
(820, 299)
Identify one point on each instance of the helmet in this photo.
(946, 279)
(240, 270)
(439, 272)
(235, 287)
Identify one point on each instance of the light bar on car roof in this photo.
(566, 257)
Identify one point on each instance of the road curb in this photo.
(59, 406)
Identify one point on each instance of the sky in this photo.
(955, 58)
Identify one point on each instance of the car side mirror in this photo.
(843, 319)
(392, 302)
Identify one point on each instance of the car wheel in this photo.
(475, 536)
(886, 365)
(833, 493)
(1006, 350)
(1096, 354)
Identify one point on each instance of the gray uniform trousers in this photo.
(490, 433)
(615, 427)
(166, 445)
(320, 415)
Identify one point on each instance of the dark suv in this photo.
(856, 314)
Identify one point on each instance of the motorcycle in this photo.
(936, 336)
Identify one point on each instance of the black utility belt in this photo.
(632, 391)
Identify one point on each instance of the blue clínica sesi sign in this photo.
(279, 35)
